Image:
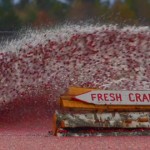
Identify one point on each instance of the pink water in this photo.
(38, 68)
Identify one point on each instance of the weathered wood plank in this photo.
(132, 132)
(86, 106)
(104, 120)
(66, 97)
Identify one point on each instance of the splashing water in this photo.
(39, 67)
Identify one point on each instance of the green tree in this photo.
(23, 3)
(51, 10)
(27, 12)
(8, 18)
(122, 13)
(85, 9)
(141, 9)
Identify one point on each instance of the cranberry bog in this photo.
(40, 66)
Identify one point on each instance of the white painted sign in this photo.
(101, 97)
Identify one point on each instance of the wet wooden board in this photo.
(104, 120)
(113, 132)
(70, 104)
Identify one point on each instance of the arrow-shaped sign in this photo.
(106, 97)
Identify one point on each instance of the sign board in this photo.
(106, 97)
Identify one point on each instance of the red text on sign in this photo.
(137, 97)
(106, 97)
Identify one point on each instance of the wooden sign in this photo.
(106, 97)
(77, 98)
(94, 109)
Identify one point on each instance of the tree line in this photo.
(36, 13)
